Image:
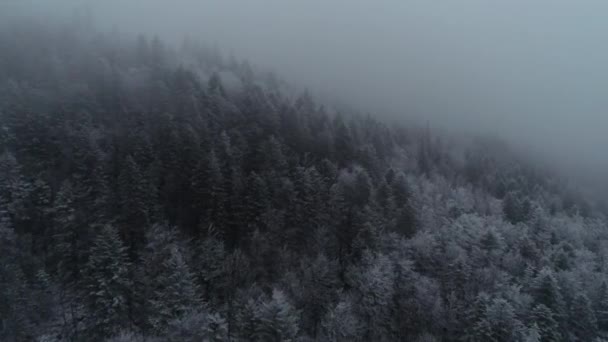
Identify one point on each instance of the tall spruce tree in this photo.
(171, 289)
(107, 285)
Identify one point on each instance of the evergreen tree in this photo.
(516, 209)
(547, 325)
(107, 285)
(43, 299)
(13, 189)
(197, 326)
(275, 320)
(315, 291)
(583, 321)
(210, 192)
(208, 266)
(341, 324)
(135, 196)
(474, 318)
(501, 320)
(343, 144)
(214, 86)
(275, 157)
(256, 200)
(532, 334)
(374, 285)
(171, 288)
(34, 213)
(601, 311)
(14, 304)
(547, 292)
(66, 255)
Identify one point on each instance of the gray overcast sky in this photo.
(531, 70)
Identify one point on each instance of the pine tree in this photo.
(208, 266)
(315, 291)
(175, 291)
(107, 285)
(214, 86)
(515, 208)
(349, 199)
(65, 255)
(374, 285)
(171, 288)
(210, 192)
(255, 200)
(400, 197)
(237, 268)
(341, 324)
(135, 197)
(474, 316)
(406, 223)
(14, 304)
(546, 291)
(276, 320)
(98, 196)
(275, 157)
(399, 188)
(502, 322)
(582, 319)
(408, 317)
(195, 326)
(532, 334)
(548, 327)
(35, 211)
(601, 310)
(12, 187)
(343, 142)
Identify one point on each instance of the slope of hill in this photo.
(170, 194)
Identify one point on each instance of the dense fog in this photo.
(529, 71)
(533, 72)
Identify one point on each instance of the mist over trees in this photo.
(154, 193)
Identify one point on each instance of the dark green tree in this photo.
(107, 285)
(547, 324)
(582, 318)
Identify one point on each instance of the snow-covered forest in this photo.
(158, 193)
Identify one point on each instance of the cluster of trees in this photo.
(149, 193)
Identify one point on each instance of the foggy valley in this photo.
(338, 170)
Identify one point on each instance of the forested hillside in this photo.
(171, 194)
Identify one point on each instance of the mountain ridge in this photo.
(143, 197)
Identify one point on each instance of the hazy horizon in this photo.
(530, 72)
